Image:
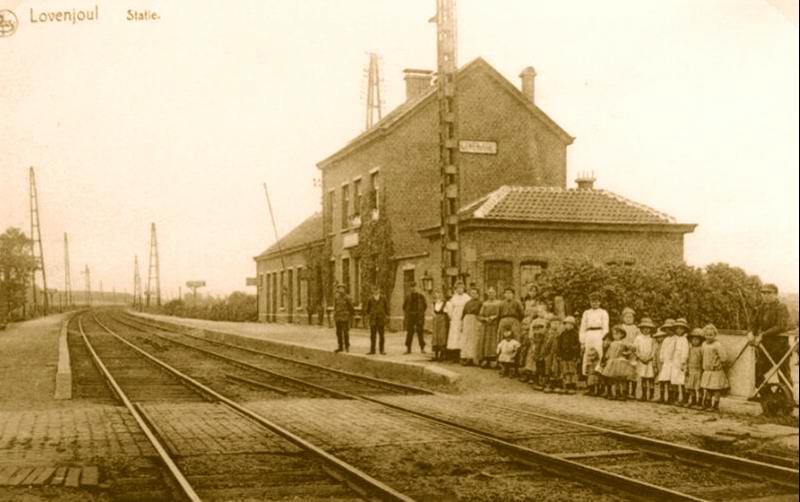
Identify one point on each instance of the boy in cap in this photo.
(569, 351)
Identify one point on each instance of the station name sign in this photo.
(195, 284)
(479, 147)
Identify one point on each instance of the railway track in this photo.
(644, 467)
(239, 455)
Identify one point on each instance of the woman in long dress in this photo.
(455, 309)
(441, 323)
(489, 317)
(471, 328)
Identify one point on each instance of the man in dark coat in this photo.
(377, 310)
(771, 320)
(414, 308)
(342, 314)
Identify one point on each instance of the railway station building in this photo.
(379, 222)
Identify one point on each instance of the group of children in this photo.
(687, 367)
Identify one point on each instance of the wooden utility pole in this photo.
(447, 67)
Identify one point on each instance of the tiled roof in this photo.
(554, 204)
(307, 232)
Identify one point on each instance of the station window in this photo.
(331, 205)
(282, 292)
(346, 274)
(345, 206)
(299, 290)
(374, 186)
(357, 280)
(498, 274)
(357, 197)
(529, 271)
(408, 281)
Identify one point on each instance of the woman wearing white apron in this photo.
(594, 326)
(455, 311)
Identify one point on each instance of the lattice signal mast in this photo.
(137, 283)
(36, 245)
(153, 275)
(446, 42)
(374, 82)
(67, 279)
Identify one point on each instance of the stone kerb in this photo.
(64, 371)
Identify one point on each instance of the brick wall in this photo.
(554, 246)
(269, 285)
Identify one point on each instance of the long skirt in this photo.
(593, 340)
(454, 334)
(488, 344)
(470, 337)
(440, 326)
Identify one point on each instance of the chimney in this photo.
(527, 75)
(585, 181)
(417, 82)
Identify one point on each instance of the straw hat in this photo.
(696, 333)
(681, 322)
(646, 322)
(628, 310)
(569, 319)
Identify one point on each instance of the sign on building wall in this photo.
(479, 147)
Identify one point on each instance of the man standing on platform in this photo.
(342, 314)
(414, 308)
(771, 320)
(377, 311)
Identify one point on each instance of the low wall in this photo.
(742, 374)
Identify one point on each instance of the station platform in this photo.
(734, 428)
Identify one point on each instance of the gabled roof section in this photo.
(406, 109)
(562, 205)
(307, 232)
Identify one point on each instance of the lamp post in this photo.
(427, 282)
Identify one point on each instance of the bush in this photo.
(720, 294)
(239, 307)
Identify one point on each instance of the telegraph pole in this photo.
(137, 284)
(67, 279)
(88, 279)
(447, 67)
(36, 244)
(153, 275)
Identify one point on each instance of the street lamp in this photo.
(427, 282)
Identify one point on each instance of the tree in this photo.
(16, 267)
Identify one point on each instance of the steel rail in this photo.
(358, 480)
(165, 457)
(374, 380)
(741, 466)
(561, 466)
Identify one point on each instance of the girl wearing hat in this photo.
(618, 368)
(631, 332)
(713, 380)
(694, 368)
(665, 346)
(674, 354)
(645, 351)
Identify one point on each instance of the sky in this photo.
(688, 106)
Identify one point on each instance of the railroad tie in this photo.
(60, 475)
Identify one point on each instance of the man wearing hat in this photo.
(772, 319)
(342, 314)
